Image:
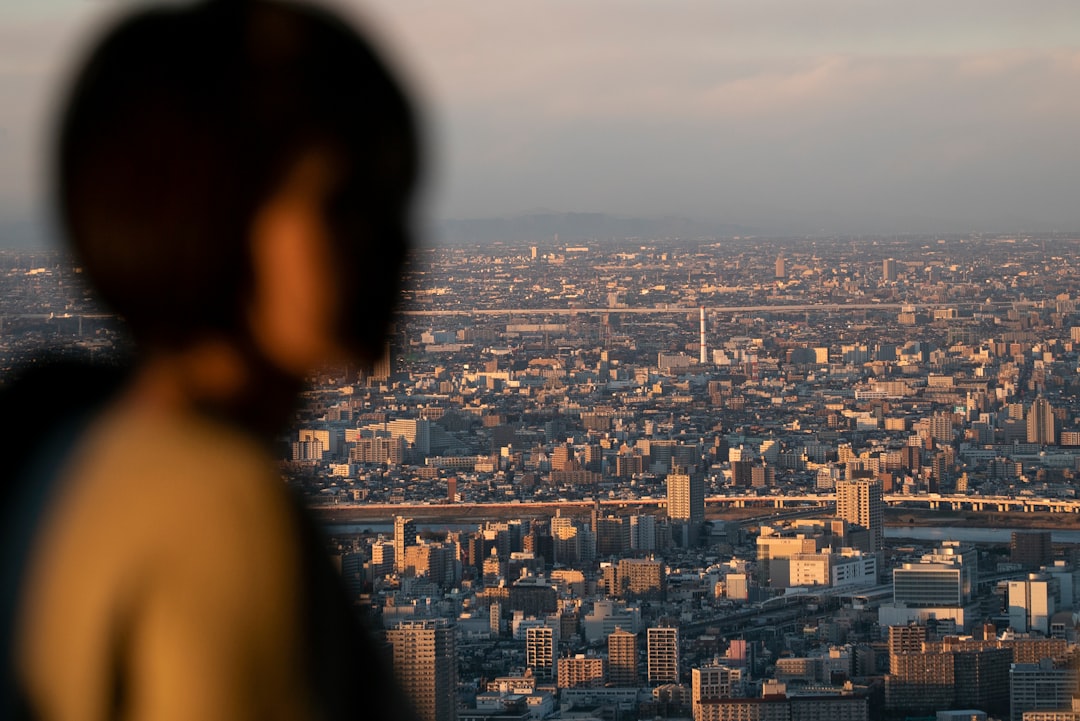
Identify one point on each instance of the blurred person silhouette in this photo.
(235, 178)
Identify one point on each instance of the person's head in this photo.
(209, 150)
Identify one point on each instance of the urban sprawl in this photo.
(740, 478)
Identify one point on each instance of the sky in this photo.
(788, 116)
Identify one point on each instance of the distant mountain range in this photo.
(542, 227)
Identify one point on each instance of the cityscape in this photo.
(702, 478)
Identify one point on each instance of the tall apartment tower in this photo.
(860, 501)
(889, 268)
(541, 652)
(781, 269)
(404, 536)
(1040, 423)
(382, 558)
(711, 682)
(686, 501)
(425, 665)
(622, 658)
(1031, 549)
(663, 655)
(904, 640)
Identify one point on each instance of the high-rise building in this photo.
(612, 536)
(944, 578)
(711, 682)
(774, 554)
(686, 501)
(933, 679)
(662, 654)
(1040, 423)
(860, 502)
(425, 666)
(581, 671)
(416, 431)
(451, 489)
(435, 561)
(643, 532)
(889, 269)
(1031, 549)
(1031, 603)
(382, 558)
(781, 268)
(1043, 685)
(622, 658)
(541, 652)
(566, 532)
(635, 578)
(941, 427)
(905, 639)
(404, 536)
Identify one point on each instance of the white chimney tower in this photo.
(703, 358)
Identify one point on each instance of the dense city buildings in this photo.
(708, 478)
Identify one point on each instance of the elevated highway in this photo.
(683, 310)
(784, 505)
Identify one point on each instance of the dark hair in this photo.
(184, 120)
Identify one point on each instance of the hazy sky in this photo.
(793, 116)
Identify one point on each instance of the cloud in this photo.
(746, 107)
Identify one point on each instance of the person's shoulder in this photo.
(182, 472)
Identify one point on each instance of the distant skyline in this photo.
(785, 117)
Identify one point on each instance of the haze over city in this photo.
(737, 375)
(782, 118)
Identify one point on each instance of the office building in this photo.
(849, 567)
(775, 552)
(946, 577)
(1031, 603)
(1045, 685)
(606, 616)
(425, 666)
(940, 586)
